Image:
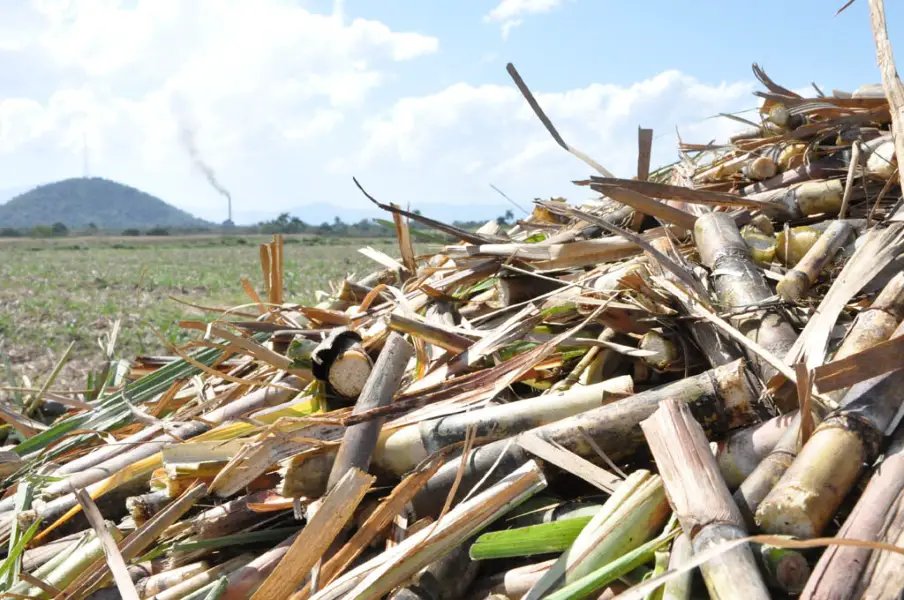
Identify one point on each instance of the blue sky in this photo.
(288, 99)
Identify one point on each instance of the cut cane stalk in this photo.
(739, 453)
(399, 450)
(739, 283)
(722, 398)
(633, 514)
(702, 501)
(796, 282)
(839, 569)
(827, 467)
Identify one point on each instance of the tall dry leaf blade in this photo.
(111, 550)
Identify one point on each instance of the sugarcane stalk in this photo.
(400, 450)
(739, 453)
(722, 398)
(542, 538)
(248, 577)
(666, 357)
(680, 587)
(634, 513)
(717, 349)
(143, 507)
(359, 441)
(739, 283)
(553, 514)
(512, 583)
(266, 396)
(798, 280)
(754, 489)
(445, 579)
(339, 359)
(701, 500)
(784, 569)
(158, 582)
(760, 168)
(36, 557)
(200, 580)
(516, 289)
(75, 563)
(875, 324)
(588, 359)
(839, 569)
(808, 494)
(54, 563)
(884, 575)
(871, 327)
(435, 336)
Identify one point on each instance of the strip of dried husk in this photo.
(399, 450)
(739, 453)
(702, 501)
(839, 569)
(337, 508)
(381, 574)
(739, 283)
(796, 282)
(445, 579)
(634, 513)
(391, 506)
(808, 494)
(723, 398)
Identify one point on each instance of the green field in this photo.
(53, 292)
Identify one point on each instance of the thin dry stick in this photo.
(849, 182)
(535, 106)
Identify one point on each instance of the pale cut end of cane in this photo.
(881, 162)
(349, 373)
(665, 354)
(761, 168)
(788, 515)
(793, 286)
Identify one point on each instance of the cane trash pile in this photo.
(606, 399)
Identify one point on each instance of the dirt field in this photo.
(53, 292)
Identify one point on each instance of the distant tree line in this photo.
(284, 224)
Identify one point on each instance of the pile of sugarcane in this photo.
(689, 385)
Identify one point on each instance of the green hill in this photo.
(107, 204)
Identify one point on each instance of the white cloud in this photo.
(248, 73)
(488, 134)
(287, 105)
(511, 12)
